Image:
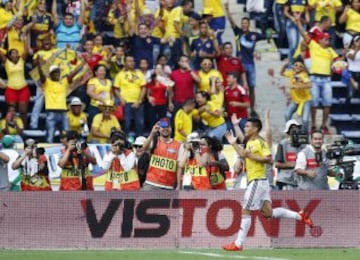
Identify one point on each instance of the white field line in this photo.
(215, 255)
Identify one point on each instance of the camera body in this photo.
(299, 137)
(195, 145)
(81, 146)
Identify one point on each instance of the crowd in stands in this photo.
(163, 73)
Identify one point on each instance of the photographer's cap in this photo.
(193, 137)
(8, 141)
(140, 140)
(164, 122)
(290, 123)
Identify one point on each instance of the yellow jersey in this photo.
(16, 41)
(130, 84)
(353, 21)
(44, 54)
(157, 33)
(100, 89)
(205, 84)
(211, 120)
(15, 74)
(75, 121)
(183, 121)
(176, 15)
(5, 18)
(55, 93)
(12, 130)
(254, 169)
(104, 126)
(328, 8)
(218, 100)
(282, 2)
(121, 25)
(321, 58)
(216, 6)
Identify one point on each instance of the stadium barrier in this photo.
(94, 220)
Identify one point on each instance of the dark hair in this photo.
(147, 26)
(161, 55)
(189, 101)
(255, 122)
(317, 131)
(325, 18)
(182, 56)
(227, 43)
(98, 66)
(186, 2)
(215, 144)
(69, 14)
(117, 135)
(204, 94)
(70, 135)
(203, 22)
(245, 19)
(9, 52)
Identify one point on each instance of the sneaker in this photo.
(232, 247)
(325, 130)
(254, 114)
(306, 219)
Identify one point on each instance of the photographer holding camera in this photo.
(33, 168)
(195, 176)
(120, 165)
(285, 158)
(312, 165)
(75, 159)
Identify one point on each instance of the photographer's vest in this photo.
(37, 182)
(119, 179)
(320, 182)
(196, 176)
(163, 165)
(71, 178)
(290, 152)
(217, 179)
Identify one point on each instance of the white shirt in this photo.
(127, 162)
(354, 65)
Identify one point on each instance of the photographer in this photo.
(195, 177)
(285, 157)
(33, 168)
(120, 165)
(312, 166)
(75, 159)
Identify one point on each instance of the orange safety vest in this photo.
(118, 179)
(71, 174)
(163, 164)
(199, 176)
(217, 180)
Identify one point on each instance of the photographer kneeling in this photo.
(120, 165)
(75, 159)
(195, 176)
(312, 165)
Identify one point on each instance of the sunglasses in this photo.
(108, 108)
(137, 146)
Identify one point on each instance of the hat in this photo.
(207, 11)
(164, 122)
(140, 140)
(7, 141)
(195, 16)
(193, 137)
(70, 135)
(290, 123)
(325, 35)
(76, 102)
(29, 142)
(108, 103)
(53, 68)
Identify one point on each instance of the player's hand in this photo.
(235, 120)
(230, 137)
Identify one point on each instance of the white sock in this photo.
(285, 213)
(244, 229)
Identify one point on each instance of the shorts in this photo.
(218, 23)
(17, 95)
(321, 89)
(250, 74)
(257, 192)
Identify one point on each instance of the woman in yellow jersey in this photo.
(99, 89)
(217, 92)
(102, 50)
(17, 91)
(207, 74)
(300, 86)
(211, 116)
(351, 16)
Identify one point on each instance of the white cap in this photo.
(290, 123)
(140, 140)
(75, 102)
(53, 68)
(193, 137)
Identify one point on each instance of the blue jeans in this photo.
(321, 90)
(161, 49)
(54, 119)
(218, 131)
(136, 114)
(250, 74)
(305, 117)
(280, 23)
(37, 108)
(293, 36)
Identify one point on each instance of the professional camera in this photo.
(336, 152)
(81, 145)
(299, 137)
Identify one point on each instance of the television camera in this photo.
(336, 153)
